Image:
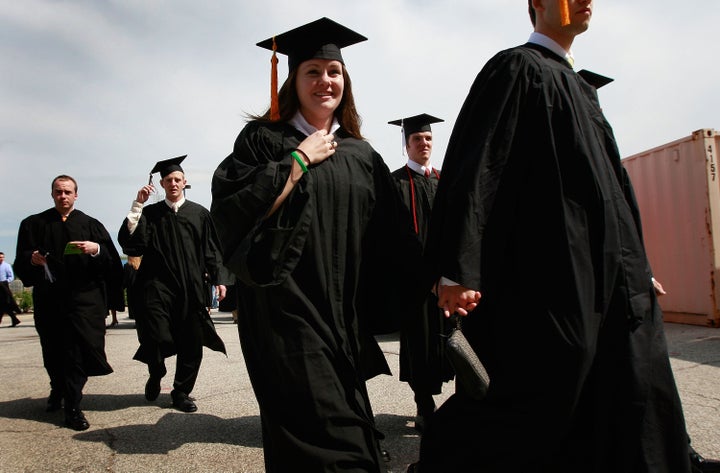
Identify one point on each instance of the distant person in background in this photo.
(116, 300)
(114, 320)
(129, 277)
(178, 244)
(71, 263)
(7, 300)
(230, 303)
(423, 328)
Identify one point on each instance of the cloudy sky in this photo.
(101, 89)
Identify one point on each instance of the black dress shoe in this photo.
(152, 388)
(703, 465)
(54, 402)
(182, 402)
(75, 419)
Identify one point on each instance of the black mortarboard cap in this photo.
(594, 79)
(320, 39)
(167, 166)
(416, 123)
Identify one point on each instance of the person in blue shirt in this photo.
(7, 301)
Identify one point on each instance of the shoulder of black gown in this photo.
(401, 173)
(257, 143)
(359, 148)
(252, 168)
(247, 182)
(81, 216)
(155, 210)
(28, 240)
(190, 206)
(494, 101)
(48, 215)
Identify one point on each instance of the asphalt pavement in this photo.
(129, 434)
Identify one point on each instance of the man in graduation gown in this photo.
(178, 244)
(536, 223)
(74, 269)
(423, 327)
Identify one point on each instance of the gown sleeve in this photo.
(486, 132)
(133, 244)
(24, 270)
(260, 250)
(213, 255)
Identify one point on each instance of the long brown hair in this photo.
(346, 113)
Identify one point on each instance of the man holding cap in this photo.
(178, 244)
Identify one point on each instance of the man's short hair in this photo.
(63, 177)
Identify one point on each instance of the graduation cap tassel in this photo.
(402, 137)
(274, 104)
(564, 13)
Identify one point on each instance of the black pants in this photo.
(188, 345)
(7, 303)
(62, 358)
(424, 402)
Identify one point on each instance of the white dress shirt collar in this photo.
(302, 125)
(175, 205)
(547, 42)
(419, 168)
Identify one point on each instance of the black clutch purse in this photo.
(471, 378)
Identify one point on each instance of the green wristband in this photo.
(300, 161)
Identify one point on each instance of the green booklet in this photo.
(72, 249)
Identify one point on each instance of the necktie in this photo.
(570, 61)
(427, 172)
(64, 217)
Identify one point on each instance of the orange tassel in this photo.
(564, 13)
(274, 104)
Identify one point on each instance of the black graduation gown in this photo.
(76, 303)
(309, 283)
(177, 249)
(133, 292)
(7, 300)
(423, 327)
(536, 211)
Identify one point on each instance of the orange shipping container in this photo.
(678, 191)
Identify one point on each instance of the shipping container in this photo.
(678, 191)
